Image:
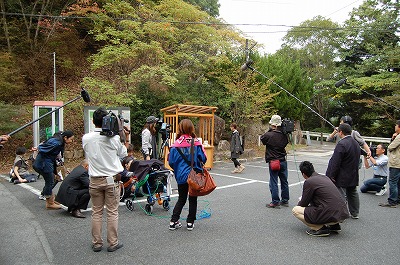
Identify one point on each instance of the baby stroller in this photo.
(154, 180)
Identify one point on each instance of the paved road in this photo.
(240, 230)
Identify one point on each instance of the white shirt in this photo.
(103, 153)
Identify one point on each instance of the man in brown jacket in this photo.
(321, 206)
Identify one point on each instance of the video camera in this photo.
(113, 125)
(164, 130)
(287, 126)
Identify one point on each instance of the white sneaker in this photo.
(382, 192)
(41, 197)
(236, 170)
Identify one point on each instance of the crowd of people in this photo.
(326, 201)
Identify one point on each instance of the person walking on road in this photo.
(275, 142)
(394, 168)
(321, 207)
(236, 149)
(103, 154)
(343, 168)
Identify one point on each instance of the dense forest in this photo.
(149, 54)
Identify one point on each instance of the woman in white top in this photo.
(149, 140)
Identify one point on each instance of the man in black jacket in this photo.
(343, 168)
(74, 190)
(275, 142)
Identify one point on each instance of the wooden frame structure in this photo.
(204, 128)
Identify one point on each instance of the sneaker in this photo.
(382, 192)
(114, 248)
(335, 228)
(190, 226)
(41, 197)
(386, 204)
(235, 171)
(354, 216)
(285, 204)
(174, 225)
(273, 205)
(97, 249)
(240, 168)
(324, 231)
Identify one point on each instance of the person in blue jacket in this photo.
(45, 163)
(181, 170)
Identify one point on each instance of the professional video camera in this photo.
(113, 125)
(164, 130)
(287, 126)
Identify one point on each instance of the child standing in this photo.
(236, 149)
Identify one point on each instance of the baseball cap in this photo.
(151, 119)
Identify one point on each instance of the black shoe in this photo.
(284, 204)
(174, 225)
(114, 248)
(77, 213)
(390, 205)
(324, 231)
(335, 228)
(96, 249)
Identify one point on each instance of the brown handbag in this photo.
(200, 183)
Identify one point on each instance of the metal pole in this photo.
(54, 75)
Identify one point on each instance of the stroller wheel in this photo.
(148, 208)
(165, 205)
(150, 200)
(129, 205)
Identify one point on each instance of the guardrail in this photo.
(322, 137)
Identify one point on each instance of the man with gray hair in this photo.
(275, 142)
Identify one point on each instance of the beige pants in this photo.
(108, 195)
(298, 212)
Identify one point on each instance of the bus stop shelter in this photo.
(203, 120)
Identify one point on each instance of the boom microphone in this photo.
(247, 65)
(340, 82)
(84, 95)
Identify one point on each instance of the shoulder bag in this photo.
(200, 183)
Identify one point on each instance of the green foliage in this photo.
(11, 83)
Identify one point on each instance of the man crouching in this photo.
(321, 206)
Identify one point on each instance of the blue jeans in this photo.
(374, 184)
(282, 174)
(394, 176)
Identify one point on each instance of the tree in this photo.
(370, 54)
(314, 43)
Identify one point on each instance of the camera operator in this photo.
(380, 165)
(103, 154)
(275, 142)
(149, 138)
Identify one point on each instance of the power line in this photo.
(202, 23)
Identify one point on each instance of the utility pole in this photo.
(54, 75)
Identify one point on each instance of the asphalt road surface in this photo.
(235, 226)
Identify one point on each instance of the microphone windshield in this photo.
(85, 95)
(340, 82)
(247, 65)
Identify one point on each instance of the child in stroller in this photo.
(128, 179)
(154, 180)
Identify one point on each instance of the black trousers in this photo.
(235, 162)
(183, 191)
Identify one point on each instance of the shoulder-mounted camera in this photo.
(113, 125)
(287, 126)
